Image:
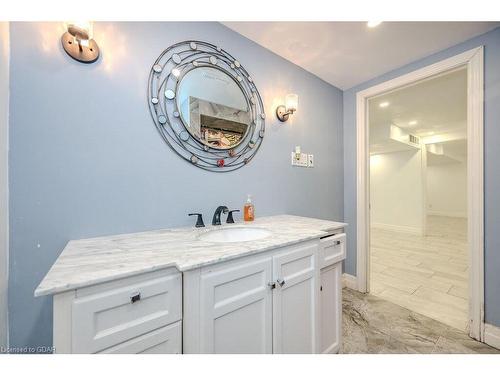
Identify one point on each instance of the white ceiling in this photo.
(345, 54)
(438, 105)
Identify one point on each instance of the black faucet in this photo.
(218, 211)
(230, 219)
(199, 220)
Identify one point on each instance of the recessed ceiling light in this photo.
(383, 104)
(373, 23)
(414, 122)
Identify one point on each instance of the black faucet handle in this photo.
(199, 220)
(230, 219)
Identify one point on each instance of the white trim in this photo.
(492, 335)
(462, 215)
(349, 281)
(398, 228)
(475, 191)
(473, 60)
(362, 193)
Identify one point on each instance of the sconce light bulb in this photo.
(291, 102)
(81, 30)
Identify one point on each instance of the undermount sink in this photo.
(237, 234)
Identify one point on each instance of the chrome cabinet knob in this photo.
(271, 284)
(281, 282)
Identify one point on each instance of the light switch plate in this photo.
(301, 162)
(310, 161)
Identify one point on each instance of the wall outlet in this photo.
(310, 161)
(302, 161)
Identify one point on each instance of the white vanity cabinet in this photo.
(265, 303)
(230, 299)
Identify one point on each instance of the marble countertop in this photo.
(96, 260)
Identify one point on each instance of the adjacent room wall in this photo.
(491, 43)
(396, 191)
(447, 189)
(86, 159)
(4, 192)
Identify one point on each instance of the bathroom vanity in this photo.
(270, 286)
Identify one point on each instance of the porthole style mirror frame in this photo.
(165, 79)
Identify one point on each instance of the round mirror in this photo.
(213, 107)
(206, 106)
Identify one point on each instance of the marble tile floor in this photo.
(426, 274)
(372, 325)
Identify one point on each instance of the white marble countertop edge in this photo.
(60, 286)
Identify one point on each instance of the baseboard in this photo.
(462, 215)
(397, 228)
(492, 335)
(349, 281)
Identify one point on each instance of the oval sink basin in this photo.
(235, 235)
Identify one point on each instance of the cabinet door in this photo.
(236, 308)
(330, 308)
(295, 312)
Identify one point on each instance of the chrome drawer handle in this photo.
(135, 297)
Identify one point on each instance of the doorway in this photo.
(418, 197)
(471, 63)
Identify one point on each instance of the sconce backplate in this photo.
(282, 113)
(85, 54)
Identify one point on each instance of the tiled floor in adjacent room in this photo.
(426, 274)
(374, 325)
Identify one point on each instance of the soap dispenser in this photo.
(248, 209)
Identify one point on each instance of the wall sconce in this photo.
(284, 111)
(78, 42)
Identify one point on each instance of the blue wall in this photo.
(491, 42)
(86, 159)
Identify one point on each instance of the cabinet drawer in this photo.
(110, 315)
(332, 249)
(166, 340)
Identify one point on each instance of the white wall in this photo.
(447, 189)
(4, 197)
(396, 191)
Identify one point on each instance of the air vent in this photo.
(414, 139)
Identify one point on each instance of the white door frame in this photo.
(473, 60)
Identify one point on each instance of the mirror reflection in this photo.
(213, 107)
